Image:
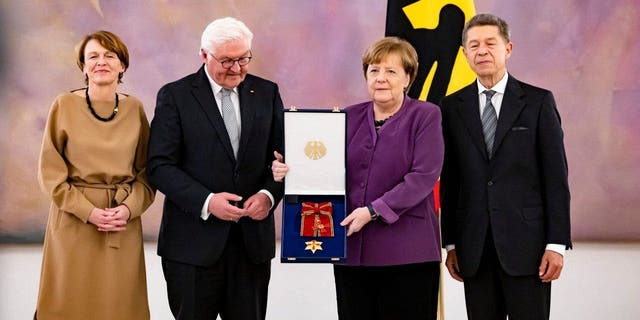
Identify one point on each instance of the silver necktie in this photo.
(489, 122)
(230, 120)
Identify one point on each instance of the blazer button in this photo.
(490, 183)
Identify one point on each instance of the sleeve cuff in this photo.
(84, 211)
(204, 213)
(385, 213)
(265, 191)
(559, 248)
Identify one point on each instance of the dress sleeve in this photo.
(142, 194)
(53, 171)
(419, 181)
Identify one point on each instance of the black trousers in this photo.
(234, 287)
(492, 294)
(388, 292)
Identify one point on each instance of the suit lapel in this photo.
(247, 113)
(469, 111)
(204, 95)
(512, 105)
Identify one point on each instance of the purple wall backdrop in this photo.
(585, 51)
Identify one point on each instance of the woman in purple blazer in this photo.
(394, 157)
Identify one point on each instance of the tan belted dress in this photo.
(87, 163)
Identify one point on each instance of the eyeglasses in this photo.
(228, 63)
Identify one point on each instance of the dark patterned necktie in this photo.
(230, 121)
(489, 122)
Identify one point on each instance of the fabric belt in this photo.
(116, 194)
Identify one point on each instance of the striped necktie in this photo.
(489, 122)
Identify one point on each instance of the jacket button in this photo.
(490, 183)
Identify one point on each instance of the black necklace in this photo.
(93, 112)
(378, 123)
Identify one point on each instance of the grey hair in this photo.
(487, 19)
(223, 30)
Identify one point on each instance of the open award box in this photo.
(315, 187)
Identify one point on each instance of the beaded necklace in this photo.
(378, 123)
(93, 112)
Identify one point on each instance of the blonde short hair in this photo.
(388, 45)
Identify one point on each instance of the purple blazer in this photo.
(395, 170)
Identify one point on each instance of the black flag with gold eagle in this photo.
(434, 28)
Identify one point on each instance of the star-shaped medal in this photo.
(313, 245)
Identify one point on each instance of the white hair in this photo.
(223, 30)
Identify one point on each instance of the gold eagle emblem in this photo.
(315, 150)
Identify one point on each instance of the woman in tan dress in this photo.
(92, 165)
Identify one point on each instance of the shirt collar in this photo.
(500, 86)
(214, 86)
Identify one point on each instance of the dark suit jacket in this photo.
(190, 156)
(522, 193)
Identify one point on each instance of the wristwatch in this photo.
(372, 212)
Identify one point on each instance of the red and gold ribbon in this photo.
(317, 219)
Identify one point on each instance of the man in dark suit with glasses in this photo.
(212, 140)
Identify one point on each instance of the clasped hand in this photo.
(110, 219)
(222, 206)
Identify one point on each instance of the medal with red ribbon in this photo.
(317, 219)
